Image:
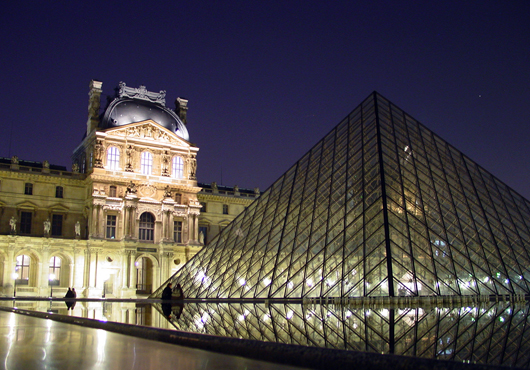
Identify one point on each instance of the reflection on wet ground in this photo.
(491, 333)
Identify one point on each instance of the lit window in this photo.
(178, 167)
(204, 231)
(177, 232)
(55, 269)
(25, 222)
(147, 227)
(28, 189)
(57, 225)
(113, 158)
(111, 227)
(225, 209)
(59, 192)
(22, 269)
(112, 191)
(146, 163)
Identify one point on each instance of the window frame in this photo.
(59, 192)
(113, 158)
(57, 225)
(26, 220)
(28, 188)
(146, 228)
(177, 167)
(110, 228)
(177, 231)
(146, 163)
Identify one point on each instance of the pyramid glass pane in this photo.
(381, 206)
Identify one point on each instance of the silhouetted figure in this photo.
(166, 309)
(70, 304)
(178, 293)
(74, 293)
(69, 294)
(167, 293)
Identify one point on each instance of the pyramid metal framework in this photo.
(381, 206)
(491, 333)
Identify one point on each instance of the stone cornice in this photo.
(224, 198)
(44, 177)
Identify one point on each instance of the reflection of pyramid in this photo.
(380, 207)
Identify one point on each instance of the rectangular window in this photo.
(112, 191)
(25, 222)
(177, 232)
(178, 198)
(111, 227)
(57, 225)
(58, 192)
(203, 209)
(28, 189)
(225, 209)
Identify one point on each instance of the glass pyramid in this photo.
(381, 206)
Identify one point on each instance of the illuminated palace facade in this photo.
(128, 214)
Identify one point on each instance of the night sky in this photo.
(266, 80)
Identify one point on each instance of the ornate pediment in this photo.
(147, 130)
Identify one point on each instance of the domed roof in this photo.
(137, 105)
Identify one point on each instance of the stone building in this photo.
(125, 218)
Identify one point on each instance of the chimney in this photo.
(94, 96)
(181, 109)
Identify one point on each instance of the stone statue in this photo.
(201, 237)
(14, 159)
(99, 151)
(167, 192)
(165, 163)
(47, 227)
(236, 189)
(131, 188)
(214, 185)
(45, 164)
(77, 229)
(75, 168)
(13, 224)
(129, 152)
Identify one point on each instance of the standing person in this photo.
(69, 294)
(74, 294)
(167, 293)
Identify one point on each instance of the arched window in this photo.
(147, 226)
(55, 269)
(113, 158)
(178, 167)
(146, 163)
(22, 269)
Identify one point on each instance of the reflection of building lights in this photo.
(290, 285)
(266, 317)
(348, 314)
(309, 282)
(506, 281)
(266, 281)
(242, 281)
(384, 312)
(289, 315)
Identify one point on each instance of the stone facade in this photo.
(124, 219)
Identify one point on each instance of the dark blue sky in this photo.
(267, 79)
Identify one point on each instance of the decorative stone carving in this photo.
(141, 93)
(165, 163)
(131, 188)
(99, 151)
(147, 190)
(167, 192)
(77, 229)
(47, 227)
(13, 224)
(129, 153)
(153, 208)
(192, 168)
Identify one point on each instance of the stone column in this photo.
(44, 266)
(132, 269)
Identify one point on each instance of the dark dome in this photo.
(124, 111)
